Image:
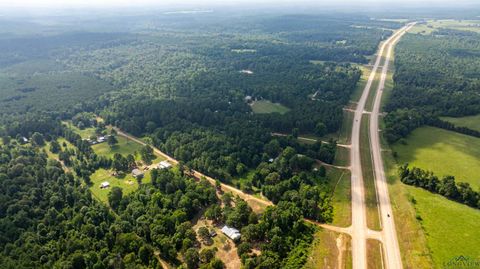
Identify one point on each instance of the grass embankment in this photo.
(265, 107)
(472, 122)
(346, 129)
(341, 197)
(330, 250)
(443, 152)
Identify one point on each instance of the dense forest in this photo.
(435, 75)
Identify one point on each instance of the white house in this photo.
(104, 185)
(232, 233)
(164, 165)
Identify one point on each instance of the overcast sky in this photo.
(200, 3)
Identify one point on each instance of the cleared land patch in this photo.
(266, 107)
(472, 122)
(443, 152)
(127, 182)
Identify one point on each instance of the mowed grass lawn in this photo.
(127, 182)
(451, 228)
(443, 152)
(125, 146)
(265, 107)
(472, 122)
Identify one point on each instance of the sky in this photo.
(200, 3)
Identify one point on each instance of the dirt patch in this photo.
(226, 248)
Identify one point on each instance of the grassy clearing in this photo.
(84, 133)
(472, 122)
(432, 25)
(373, 219)
(127, 182)
(341, 197)
(266, 107)
(423, 29)
(125, 146)
(329, 250)
(374, 254)
(443, 152)
(451, 228)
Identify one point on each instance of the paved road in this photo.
(391, 250)
(359, 229)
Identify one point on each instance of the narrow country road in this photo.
(225, 187)
(391, 250)
(359, 229)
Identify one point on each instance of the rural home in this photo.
(104, 185)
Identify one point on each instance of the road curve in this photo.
(391, 250)
(359, 228)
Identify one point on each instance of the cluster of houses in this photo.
(100, 139)
(139, 174)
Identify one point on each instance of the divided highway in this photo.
(359, 229)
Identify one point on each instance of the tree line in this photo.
(461, 192)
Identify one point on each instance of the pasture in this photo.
(451, 228)
(472, 122)
(443, 152)
(125, 146)
(266, 107)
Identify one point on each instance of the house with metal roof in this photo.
(232, 233)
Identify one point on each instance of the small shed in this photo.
(137, 173)
(232, 233)
(104, 185)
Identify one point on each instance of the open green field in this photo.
(472, 122)
(124, 147)
(451, 228)
(443, 152)
(341, 197)
(432, 25)
(265, 107)
(84, 133)
(127, 182)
